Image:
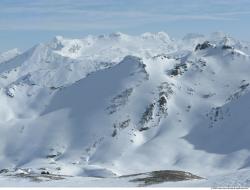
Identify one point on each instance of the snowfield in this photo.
(84, 112)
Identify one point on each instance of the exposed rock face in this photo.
(204, 45)
(156, 177)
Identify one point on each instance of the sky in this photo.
(24, 23)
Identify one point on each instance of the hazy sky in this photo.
(23, 23)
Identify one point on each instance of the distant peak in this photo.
(163, 36)
(57, 43)
(58, 38)
(159, 35)
(118, 35)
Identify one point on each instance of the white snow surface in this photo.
(111, 105)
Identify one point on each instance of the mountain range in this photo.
(115, 105)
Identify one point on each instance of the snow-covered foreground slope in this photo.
(239, 179)
(114, 105)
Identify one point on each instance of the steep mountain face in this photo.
(122, 104)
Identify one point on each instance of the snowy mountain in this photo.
(113, 105)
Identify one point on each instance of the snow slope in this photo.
(117, 104)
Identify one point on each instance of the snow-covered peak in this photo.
(57, 43)
(93, 53)
(118, 36)
(116, 44)
(58, 38)
(221, 38)
(156, 36)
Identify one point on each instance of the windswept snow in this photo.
(111, 105)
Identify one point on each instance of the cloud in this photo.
(111, 14)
